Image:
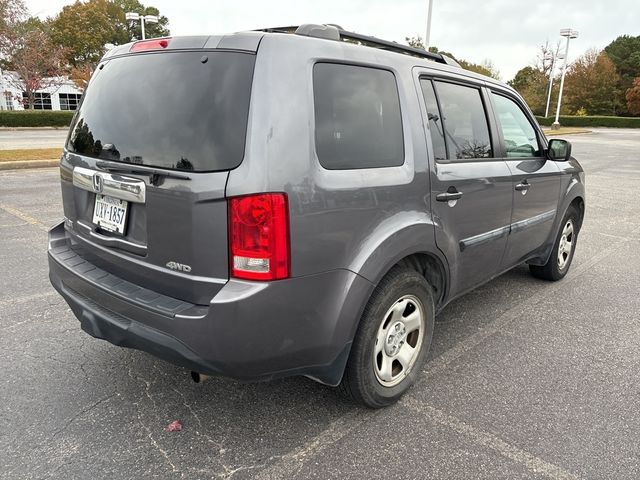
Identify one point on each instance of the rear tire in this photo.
(392, 340)
(563, 249)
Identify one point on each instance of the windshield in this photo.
(176, 110)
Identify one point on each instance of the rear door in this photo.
(146, 165)
(536, 180)
(471, 189)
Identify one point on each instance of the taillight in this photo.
(259, 236)
(153, 44)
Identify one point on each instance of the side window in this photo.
(435, 122)
(357, 113)
(520, 138)
(465, 122)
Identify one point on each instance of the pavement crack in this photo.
(84, 411)
(197, 417)
(158, 447)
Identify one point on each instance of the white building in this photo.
(64, 95)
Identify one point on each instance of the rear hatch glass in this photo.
(176, 110)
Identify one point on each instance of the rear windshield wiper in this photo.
(118, 167)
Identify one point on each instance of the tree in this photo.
(11, 13)
(39, 64)
(633, 97)
(84, 28)
(152, 30)
(81, 75)
(26, 48)
(532, 81)
(591, 84)
(532, 84)
(486, 68)
(624, 52)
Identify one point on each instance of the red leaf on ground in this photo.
(174, 426)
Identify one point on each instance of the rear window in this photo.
(175, 110)
(357, 113)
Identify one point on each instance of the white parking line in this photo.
(480, 437)
(24, 216)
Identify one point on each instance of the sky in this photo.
(507, 32)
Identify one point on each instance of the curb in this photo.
(29, 164)
(551, 133)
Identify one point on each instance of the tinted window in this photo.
(169, 110)
(357, 114)
(465, 121)
(520, 138)
(435, 122)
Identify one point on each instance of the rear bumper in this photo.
(249, 331)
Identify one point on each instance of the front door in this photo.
(471, 190)
(536, 180)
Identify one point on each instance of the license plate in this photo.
(110, 213)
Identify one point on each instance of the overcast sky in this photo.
(505, 31)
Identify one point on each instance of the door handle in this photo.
(523, 187)
(447, 196)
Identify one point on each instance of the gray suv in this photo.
(300, 201)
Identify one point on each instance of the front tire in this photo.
(392, 340)
(564, 247)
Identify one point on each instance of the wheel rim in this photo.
(565, 246)
(398, 341)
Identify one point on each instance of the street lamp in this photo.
(553, 58)
(569, 33)
(132, 16)
(428, 35)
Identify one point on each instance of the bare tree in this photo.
(547, 55)
(39, 65)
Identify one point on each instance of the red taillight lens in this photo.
(153, 44)
(259, 236)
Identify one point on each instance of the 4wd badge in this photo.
(180, 267)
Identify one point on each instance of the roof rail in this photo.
(335, 32)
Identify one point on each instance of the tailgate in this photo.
(146, 165)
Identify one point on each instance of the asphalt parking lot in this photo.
(526, 379)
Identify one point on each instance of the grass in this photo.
(30, 154)
(563, 131)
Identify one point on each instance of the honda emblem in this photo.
(98, 183)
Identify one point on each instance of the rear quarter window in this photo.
(357, 117)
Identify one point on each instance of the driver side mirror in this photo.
(559, 150)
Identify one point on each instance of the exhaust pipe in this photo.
(198, 377)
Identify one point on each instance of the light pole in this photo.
(428, 35)
(569, 33)
(132, 16)
(553, 58)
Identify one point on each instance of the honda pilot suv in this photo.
(300, 201)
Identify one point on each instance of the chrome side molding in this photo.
(114, 185)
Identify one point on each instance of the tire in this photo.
(392, 341)
(560, 260)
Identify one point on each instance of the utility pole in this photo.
(553, 59)
(427, 37)
(569, 33)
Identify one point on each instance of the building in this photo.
(64, 95)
